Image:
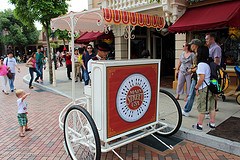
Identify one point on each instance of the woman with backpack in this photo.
(204, 99)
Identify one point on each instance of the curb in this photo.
(183, 133)
(46, 88)
(209, 140)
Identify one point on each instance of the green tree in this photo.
(43, 11)
(62, 35)
(18, 34)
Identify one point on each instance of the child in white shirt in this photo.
(22, 112)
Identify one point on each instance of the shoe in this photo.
(31, 87)
(28, 129)
(21, 135)
(36, 81)
(76, 81)
(212, 125)
(5, 92)
(216, 109)
(12, 90)
(70, 78)
(207, 116)
(197, 127)
(186, 114)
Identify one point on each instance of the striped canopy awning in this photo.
(132, 18)
(97, 20)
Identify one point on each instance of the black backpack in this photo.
(215, 78)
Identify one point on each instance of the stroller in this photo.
(234, 92)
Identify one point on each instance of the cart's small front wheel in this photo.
(170, 114)
(81, 135)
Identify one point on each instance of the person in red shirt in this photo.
(68, 64)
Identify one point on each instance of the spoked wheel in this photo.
(81, 135)
(170, 114)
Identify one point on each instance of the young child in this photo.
(22, 112)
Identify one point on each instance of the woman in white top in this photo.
(203, 95)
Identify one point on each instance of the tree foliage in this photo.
(43, 11)
(62, 35)
(17, 34)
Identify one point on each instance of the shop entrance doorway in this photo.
(165, 50)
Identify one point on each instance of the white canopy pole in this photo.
(128, 36)
(72, 57)
(129, 41)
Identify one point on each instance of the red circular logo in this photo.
(135, 97)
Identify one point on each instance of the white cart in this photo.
(123, 104)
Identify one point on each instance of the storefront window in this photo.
(138, 45)
(228, 40)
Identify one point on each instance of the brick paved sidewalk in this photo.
(45, 141)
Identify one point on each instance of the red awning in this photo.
(92, 36)
(133, 18)
(216, 16)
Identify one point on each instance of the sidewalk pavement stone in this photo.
(46, 139)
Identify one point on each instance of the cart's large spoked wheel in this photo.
(81, 135)
(238, 98)
(170, 114)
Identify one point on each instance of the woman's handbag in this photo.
(9, 75)
(28, 65)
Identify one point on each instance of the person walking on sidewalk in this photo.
(76, 65)
(22, 112)
(204, 98)
(185, 62)
(3, 76)
(81, 52)
(11, 63)
(68, 64)
(86, 57)
(40, 62)
(32, 68)
(195, 43)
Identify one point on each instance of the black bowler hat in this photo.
(103, 46)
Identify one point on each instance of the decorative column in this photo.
(121, 47)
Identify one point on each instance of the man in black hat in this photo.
(195, 44)
(103, 50)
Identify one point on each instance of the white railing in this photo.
(126, 4)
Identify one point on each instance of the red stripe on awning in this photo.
(132, 18)
(92, 36)
(216, 16)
